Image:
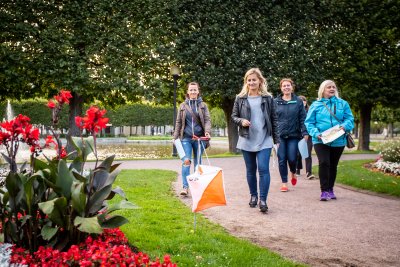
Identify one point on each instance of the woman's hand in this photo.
(207, 135)
(306, 137)
(246, 123)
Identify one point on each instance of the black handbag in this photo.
(349, 139)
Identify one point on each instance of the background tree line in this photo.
(117, 51)
(132, 114)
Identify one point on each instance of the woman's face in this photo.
(330, 90)
(253, 82)
(193, 91)
(305, 102)
(286, 88)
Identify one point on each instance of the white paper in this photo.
(179, 148)
(303, 148)
(331, 134)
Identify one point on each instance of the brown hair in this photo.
(286, 80)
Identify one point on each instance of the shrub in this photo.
(390, 151)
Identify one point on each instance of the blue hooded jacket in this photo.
(319, 119)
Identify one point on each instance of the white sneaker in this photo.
(184, 192)
(310, 176)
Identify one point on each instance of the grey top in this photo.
(258, 139)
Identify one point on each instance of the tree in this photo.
(216, 46)
(365, 55)
(93, 48)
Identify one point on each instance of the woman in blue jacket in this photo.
(291, 116)
(320, 118)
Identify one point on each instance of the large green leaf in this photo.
(114, 222)
(78, 197)
(15, 190)
(48, 232)
(64, 179)
(55, 209)
(106, 164)
(88, 225)
(97, 199)
(121, 205)
(118, 190)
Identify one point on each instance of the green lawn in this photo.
(353, 173)
(164, 225)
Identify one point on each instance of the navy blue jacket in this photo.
(291, 116)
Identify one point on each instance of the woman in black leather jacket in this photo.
(254, 113)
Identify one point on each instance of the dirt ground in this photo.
(357, 229)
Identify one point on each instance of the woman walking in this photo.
(192, 121)
(328, 111)
(254, 114)
(291, 116)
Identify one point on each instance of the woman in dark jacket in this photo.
(192, 121)
(254, 114)
(291, 116)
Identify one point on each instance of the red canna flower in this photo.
(63, 97)
(51, 104)
(93, 121)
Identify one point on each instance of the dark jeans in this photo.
(328, 158)
(287, 155)
(251, 159)
(307, 160)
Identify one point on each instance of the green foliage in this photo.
(37, 111)
(60, 204)
(390, 150)
(218, 118)
(141, 114)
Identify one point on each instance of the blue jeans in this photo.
(190, 146)
(251, 160)
(287, 154)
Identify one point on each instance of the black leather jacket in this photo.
(241, 110)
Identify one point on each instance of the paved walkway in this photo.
(356, 230)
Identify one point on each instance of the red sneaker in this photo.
(294, 179)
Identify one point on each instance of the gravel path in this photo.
(357, 229)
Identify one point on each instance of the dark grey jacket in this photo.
(241, 110)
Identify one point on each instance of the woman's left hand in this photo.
(208, 135)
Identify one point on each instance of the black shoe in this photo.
(263, 206)
(298, 172)
(253, 201)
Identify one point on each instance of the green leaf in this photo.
(64, 179)
(122, 205)
(97, 199)
(78, 197)
(48, 232)
(114, 222)
(55, 209)
(88, 225)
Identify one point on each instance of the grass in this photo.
(164, 225)
(353, 173)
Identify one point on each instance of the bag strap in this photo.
(330, 111)
(193, 115)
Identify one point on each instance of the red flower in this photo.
(51, 104)
(93, 121)
(63, 97)
(49, 141)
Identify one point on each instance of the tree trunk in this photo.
(233, 135)
(365, 126)
(75, 109)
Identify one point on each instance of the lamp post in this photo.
(175, 72)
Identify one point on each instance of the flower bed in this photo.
(108, 249)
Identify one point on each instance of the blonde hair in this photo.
(263, 90)
(322, 89)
